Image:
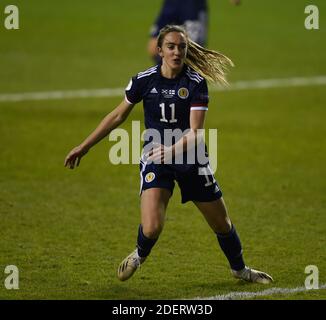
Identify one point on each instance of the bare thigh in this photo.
(216, 215)
(154, 203)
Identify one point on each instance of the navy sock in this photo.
(231, 246)
(144, 244)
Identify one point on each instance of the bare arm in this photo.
(197, 120)
(162, 154)
(110, 122)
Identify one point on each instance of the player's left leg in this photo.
(216, 215)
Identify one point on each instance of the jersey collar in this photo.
(174, 79)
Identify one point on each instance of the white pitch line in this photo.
(276, 83)
(119, 92)
(59, 95)
(268, 292)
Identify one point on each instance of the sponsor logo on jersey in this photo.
(183, 93)
(168, 93)
(154, 90)
(150, 176)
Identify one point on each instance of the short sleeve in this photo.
(200, 97)
(133, 93)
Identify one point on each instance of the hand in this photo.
(160, 154)
(74, 156)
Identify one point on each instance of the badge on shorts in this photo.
(183, 93)
(150, 176)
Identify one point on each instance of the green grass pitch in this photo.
(67, 231)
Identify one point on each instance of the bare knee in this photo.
(152, 230)
(153, 205)
(216, 215)
(224, 225)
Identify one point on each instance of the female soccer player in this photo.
(175, 96)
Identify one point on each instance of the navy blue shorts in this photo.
(194, 186)
(192, 14)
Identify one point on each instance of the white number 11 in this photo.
(163, 119)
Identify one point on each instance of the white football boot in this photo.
(252, 275)
(129, 265)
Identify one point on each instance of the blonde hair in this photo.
(210, 64)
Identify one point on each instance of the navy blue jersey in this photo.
(167, 102)
(192, 14)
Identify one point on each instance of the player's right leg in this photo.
(154, 202)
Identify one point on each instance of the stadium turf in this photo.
(67, 231)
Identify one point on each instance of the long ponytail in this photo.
(210, 64)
